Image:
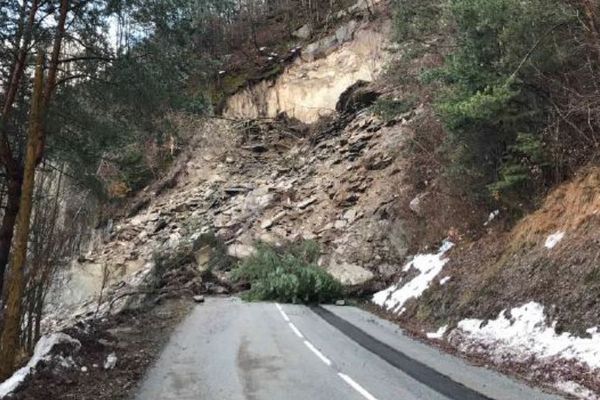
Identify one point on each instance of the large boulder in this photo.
(349, 274)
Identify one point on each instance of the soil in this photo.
(136, 338)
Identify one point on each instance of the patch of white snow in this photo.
(524, 333)
(445, 280)
(111, 361)
(577, 390)
(439, 334)
(41, 352)
(554, 239)
(492, 217)
(428, 266)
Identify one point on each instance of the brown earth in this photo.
(504, 269)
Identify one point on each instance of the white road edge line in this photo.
(296, 330)
(312, 348)
(357, 387)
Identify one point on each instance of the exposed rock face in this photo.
(311, 87)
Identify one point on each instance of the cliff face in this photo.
(310, 88)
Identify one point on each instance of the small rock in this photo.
(340, 303)
(307, 203)
(350, 215)
(304, 32)
(240, 251)
(270, 222)
(84, 369)
(111, 361)
(340, 224)
(199, 299)
(415, 204)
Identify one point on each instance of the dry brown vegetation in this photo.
(505, 268)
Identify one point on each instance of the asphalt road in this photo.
(230, 350)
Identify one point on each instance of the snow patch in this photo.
(439, 334)
(41, 352)
(524, 333)
(428, 265)
(111, 361)
(554, 239)
(445, 280)
(492, 217)
(575, 389)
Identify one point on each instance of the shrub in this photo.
(388, 108)
(289, 275)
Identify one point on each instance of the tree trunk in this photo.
(9, 339)
(13, 170)
(8, 223)
(13, 87)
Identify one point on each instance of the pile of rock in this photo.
(337, 187)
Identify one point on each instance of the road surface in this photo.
(230, 350)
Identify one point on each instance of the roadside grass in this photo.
(289, 274)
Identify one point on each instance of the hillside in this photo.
(346, 149)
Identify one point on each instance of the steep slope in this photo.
(271, 180)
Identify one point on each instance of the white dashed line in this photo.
(283, 314)
(357, 387)
(317, 352)
(325, 360)
(296, 330)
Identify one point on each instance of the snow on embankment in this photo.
(428, 267)
(43, 352)
(524, 333)
(521, 335)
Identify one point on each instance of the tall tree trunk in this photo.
(11, 165)
(8, 222)
(52, 73)
(9, 339)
